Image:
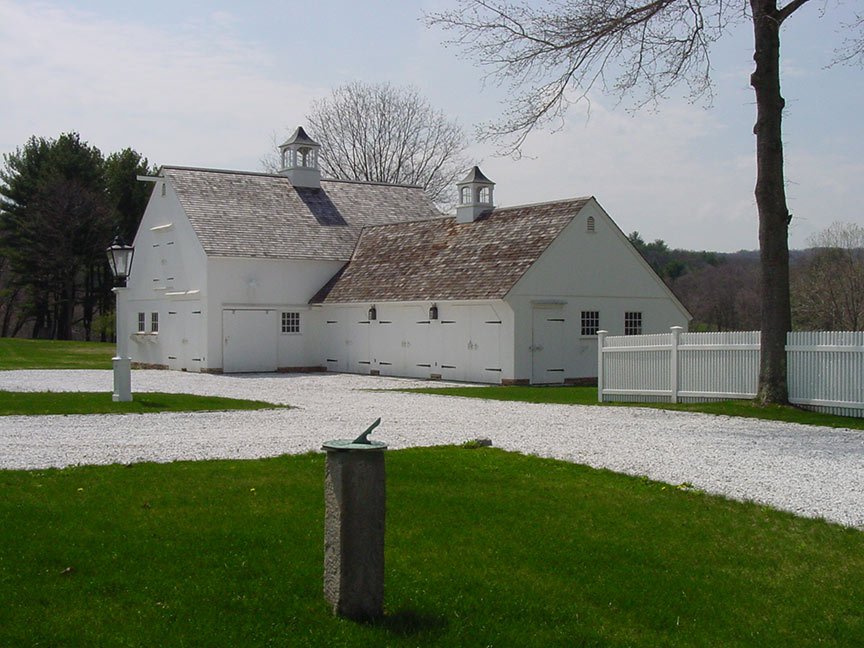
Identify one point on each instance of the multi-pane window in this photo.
(290, 322)
(142, 323)
(154, 322)
(590, 322)
(632, 323)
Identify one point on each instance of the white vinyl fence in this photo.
(825, 369)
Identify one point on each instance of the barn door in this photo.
(484, 357)
(547, 345)
(455, 343)
(334, 342)
(250, 340)
(358, 357)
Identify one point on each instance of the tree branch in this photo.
(789, 9)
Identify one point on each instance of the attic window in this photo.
(589, 224)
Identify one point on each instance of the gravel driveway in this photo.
(811, 471)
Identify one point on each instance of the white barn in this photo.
(247, 272)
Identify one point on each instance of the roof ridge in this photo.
(545, 202)
(226, 171)
(279, 175)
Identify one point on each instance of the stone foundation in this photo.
(148, 365)
(581, 382)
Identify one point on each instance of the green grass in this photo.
(33, 403)
(484, 548)
(588, 396)
(16, 353)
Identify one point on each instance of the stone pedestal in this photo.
(122, 380)
(354, 495)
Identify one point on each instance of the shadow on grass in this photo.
(408, 623)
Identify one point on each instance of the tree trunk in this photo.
(774, 215)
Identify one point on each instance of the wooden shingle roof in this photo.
(444, 260)
(260, 215)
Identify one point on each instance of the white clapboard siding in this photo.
(825, 369)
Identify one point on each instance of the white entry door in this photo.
(547, 345)
(184, 335)
(250, 340)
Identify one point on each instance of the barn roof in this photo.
(244, 214)
(444, 260)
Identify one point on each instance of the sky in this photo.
(211, 84)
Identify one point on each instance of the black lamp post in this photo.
(120, 259)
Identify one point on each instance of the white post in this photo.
(673, 361)
(122, 362)
(601, 340)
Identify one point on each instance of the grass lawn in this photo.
(32, 403)
(588, 396)
(484, 548)
(16, 353)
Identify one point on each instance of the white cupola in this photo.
(475, 196)
(300, 160)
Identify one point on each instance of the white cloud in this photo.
(188, 94)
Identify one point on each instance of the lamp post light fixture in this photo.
(120, 260)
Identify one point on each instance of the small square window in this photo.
(154, 322)
(632, 323)
(142, 323)
(590, 322)
(290, 322)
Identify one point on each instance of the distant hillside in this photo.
(721, 289)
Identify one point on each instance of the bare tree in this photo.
(554, 53)
(383, 133)
(828, 287)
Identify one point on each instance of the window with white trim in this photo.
(290, 322)
(142, 322)
(633, 323)
(154, 322)
(590, 322)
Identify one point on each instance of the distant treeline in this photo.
(722, 291)
(61, 205)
